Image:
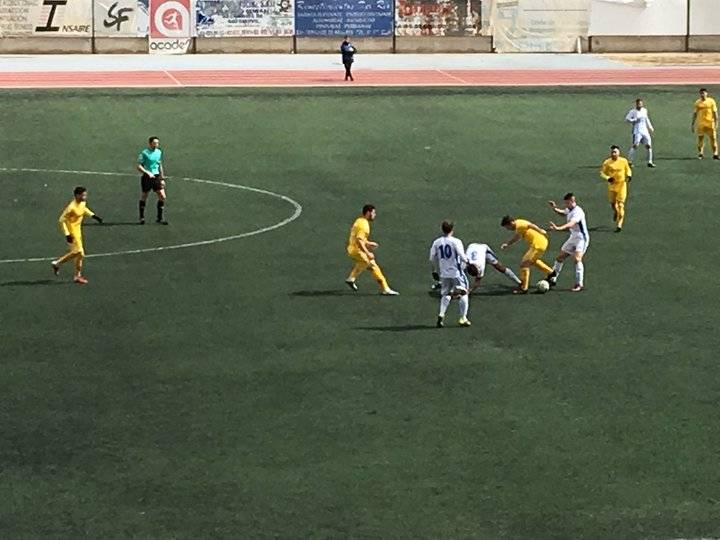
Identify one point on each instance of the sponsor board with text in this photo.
(121, 18)
(230, 18)
(172, 26)
(47, 18)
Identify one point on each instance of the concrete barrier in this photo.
(45, 45)
(639, 44)
(704, 43)
(325, 45)
(111, 45)
(236, 45)
(447, 44)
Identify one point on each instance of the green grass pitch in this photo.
(239, 390)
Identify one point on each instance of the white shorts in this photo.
(575, 244)
(481, 255)
(642, 138)
(451, 286)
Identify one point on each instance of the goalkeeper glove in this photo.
(610, 179)
(98, 219)
(69, 239)
(436, 276)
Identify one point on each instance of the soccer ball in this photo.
(543, 286)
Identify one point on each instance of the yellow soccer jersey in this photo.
(360, 229)
(618, 168)
(706, 111)
(533, 238)
(72, 217)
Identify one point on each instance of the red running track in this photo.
(309, 78)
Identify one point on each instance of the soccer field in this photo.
(239, 389)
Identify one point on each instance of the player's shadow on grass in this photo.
(677, 158)
(492, 289)
(111, 224)
(602, 229)
(332, 292)
(32, 283)
(403, 328)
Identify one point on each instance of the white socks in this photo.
(444, 303)
(509, 273)
(579, 273)
(631, 155)
(557, 267)
(463, 304)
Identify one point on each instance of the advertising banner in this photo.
(438, 18)
(121, 18)
(232, 18)
(47, 18)
(172, 23)
(333, 18)
(538, 25)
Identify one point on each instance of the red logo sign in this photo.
(170, 18)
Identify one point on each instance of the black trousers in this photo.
(348, 66)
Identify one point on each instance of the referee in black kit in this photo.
(348, 51)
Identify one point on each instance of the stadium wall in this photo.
(648, 26)
(239, 45)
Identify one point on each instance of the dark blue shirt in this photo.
(348, 51)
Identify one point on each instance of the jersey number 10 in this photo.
(445, 251)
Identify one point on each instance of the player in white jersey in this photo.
(576, 245)
(447, 256)
(478, 256)
(641, 129)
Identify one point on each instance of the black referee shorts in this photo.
(148, 184)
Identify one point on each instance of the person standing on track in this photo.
(153, 178)
(348, 51)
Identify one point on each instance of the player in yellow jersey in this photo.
(537, 242)
(705, 120)
(616, 172)
(71, 226)
(360, 249)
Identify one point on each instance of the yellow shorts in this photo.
(706, 130)
(77, 245)
(358, 256)
(618, 195)
(533, 254)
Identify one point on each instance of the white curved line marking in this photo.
(296, 213)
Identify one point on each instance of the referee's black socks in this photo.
(141, 206)
(160, 208)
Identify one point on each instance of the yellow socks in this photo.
(379, 277)
(65, 258)
(524, 278)
(542, 266)
(357, 270)
(620, 209)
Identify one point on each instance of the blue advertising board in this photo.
(356, 18)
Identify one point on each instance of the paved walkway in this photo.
(139, 62)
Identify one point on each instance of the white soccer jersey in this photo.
(580, 229)
(479, 255)
(640, 121)
(447, 256)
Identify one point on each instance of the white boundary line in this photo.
(361, 85)
(297, 210)
(177, 83)
(451, 76)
